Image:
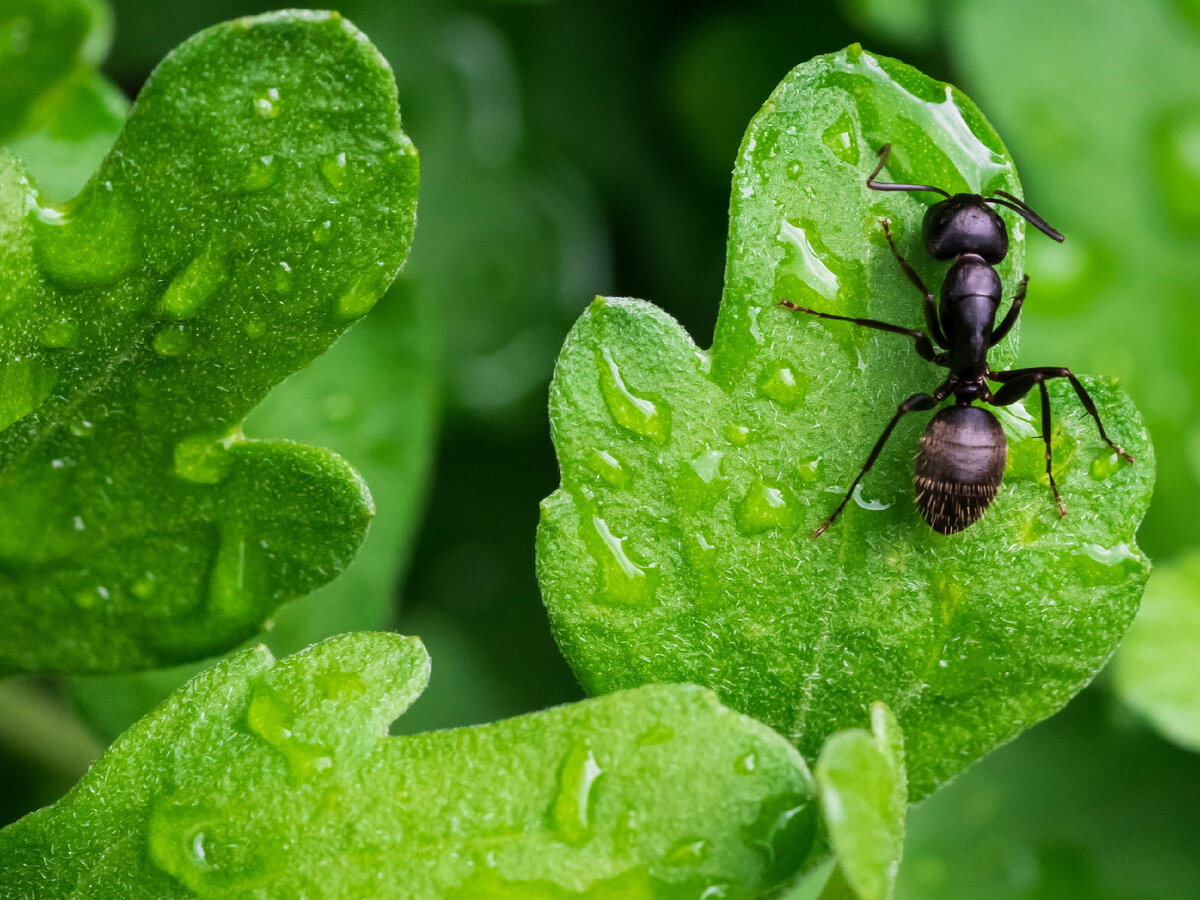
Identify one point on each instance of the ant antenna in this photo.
(884, 152)
(1022, 208)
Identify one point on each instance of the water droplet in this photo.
(255, 328)
(571, 810)
(266, 103)
(340, 686)
(146, 586)
(271, 718)
(707, 465)
(261, 174)
(752, 313)
(841, 139)
(766, 507)
(782, 384)
(196, 286)
(688, 851)
(872, 505)
(90, 598)
(1098, 565)
(738, 435)
(804, 264)
(335, 172)
(1105, 465)
(641, 413)
(361, 295)
(624, 578)
(795, 169)
(188, 841)
(782, 834)
(745, 764)
(60, 334)
(637, 882)
(322, 232)
(93, 241)
(203, 459)
(809, 469)
(1175, 148)
(172, 340)
(25, 381)
(284, 279)
(609, 468)
(657, 733)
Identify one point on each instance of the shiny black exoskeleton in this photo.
(961, 459)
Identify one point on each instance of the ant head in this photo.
(964, 223)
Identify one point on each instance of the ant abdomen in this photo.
(959, 467)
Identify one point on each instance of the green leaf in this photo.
(1157, 669)
(863, 792)
(677, 548)
(273, 778)
(260, 198)
(46, 46)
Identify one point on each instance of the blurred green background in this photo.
(570, 149)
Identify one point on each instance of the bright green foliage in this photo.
(260, 198)
(1158, 666)
(265, 779)
(678, 546)
(861, 783)
(47, 50)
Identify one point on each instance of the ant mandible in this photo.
(961, 459)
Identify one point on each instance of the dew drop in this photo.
(266, 103)
(688, 851)
(262, 173)
(25, 382)
(185, 840)
(609, 468)
(284, 280)
(322, 232)
(657, 733)
(765, 507)
(707, 465)
(90, 598)
(809, 469)
(335, 172)
(643, 414)
(803, 263)
(255, 328)
(273, 719)
(202, 459)
(196, 286)
(782, 834)
(795, 169)
(625, 580)
(571, 814)
(61, 334)
(841, 139)
(1105, 465)
(93, 241)
(781, 384)
(745, 764)
(360, 296)
(738, 435)
(172, 340)
(1098, 565)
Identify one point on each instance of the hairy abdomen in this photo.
(959, 467)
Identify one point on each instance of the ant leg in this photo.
(924, 347)
(1014, 390)
(884, 152)
(912, 404)
(931, 317)
(1013, 311)
(1047, 372)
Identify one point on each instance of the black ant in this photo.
(961, 459)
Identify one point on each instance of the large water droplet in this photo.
(571, 814)
(766, 507)
(746, 763)
(203, 459)
(1098, 565)
(738, 435)
(688, 851)
(781, 384)
(271, 718)
(782, 834)
(196, 286)
(841, 138)
(61, 334)
(335, 171)
(609, 468)
(266, 103)
(360, 295)
(25, 381)
(262, 173)
(643, 414)
(190, 842)
(809, 469)
(92, 242)
(1105, 465)
(172, 340)
(624, 578)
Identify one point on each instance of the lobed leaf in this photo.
(259, 199)
(273, 779)
(677, 548)
(1157, 670)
